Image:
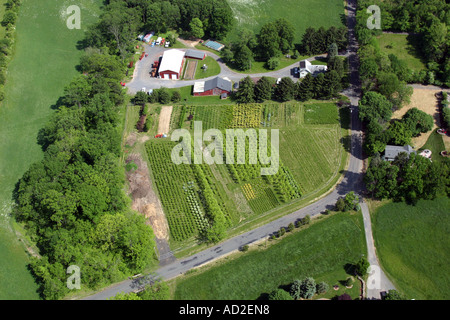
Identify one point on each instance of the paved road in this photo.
(352, 181)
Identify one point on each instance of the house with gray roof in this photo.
(392, 151)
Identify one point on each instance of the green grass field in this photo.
(212, 70)
(44, 63)
(403, 47)
(413, 247)
(252, 14)
(320, 251)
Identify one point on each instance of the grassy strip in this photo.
(322, 251)
(412, 244)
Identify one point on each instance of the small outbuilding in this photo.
(195, 54)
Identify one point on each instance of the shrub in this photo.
(272, 63)
(362, 266)
(291, 227)
(176, 96)
(281, 232)
(308, 288)
(279, 294)
(244, 248)
(322, 287)
(295, 289)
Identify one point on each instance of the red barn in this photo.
(213, 87)
(195, 54)
(172, 64)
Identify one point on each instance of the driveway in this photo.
(142, 79)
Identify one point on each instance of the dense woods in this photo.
(72, 203)
(123, 20)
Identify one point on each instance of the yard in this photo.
(426, 101)
(404, 47)
(412, 244)
(213, 68)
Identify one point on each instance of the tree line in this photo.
(12, 8)
(324, 86)
(275, 39)
(123, 20)
(72, 202)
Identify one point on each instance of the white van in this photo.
(158, 41)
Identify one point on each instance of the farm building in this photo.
(171, 64)
(214, 45)
(392, 151)
(306, 67)
(214, 87)
(195, 54)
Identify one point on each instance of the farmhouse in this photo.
(392, 151)
(171, 64)
(306, 67)
(213, 87)
(195, 54)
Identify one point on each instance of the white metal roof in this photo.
(171, 61)
(199, 87)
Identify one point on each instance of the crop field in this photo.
(252, 14)
(309, 156)
(412, 245)
(44, 61)
(320, 251)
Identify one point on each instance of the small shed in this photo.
(195, 54)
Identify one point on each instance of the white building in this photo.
(171, 64)
(306, 67)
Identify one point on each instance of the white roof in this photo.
(199, 86)
(171, 60)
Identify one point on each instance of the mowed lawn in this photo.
(403, 47)
(321, 251)
(413, 247)
(45, 61)
(252, 14)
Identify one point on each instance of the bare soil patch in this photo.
(164, 119)
(191, 67)
(144, 199)
(426, 101)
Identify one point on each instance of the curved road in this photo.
(352, 181)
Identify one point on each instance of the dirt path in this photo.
(190, 70)
(146, 202)
(164, 120)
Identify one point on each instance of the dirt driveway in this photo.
(164, 119)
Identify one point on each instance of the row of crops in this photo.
(191, 201)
